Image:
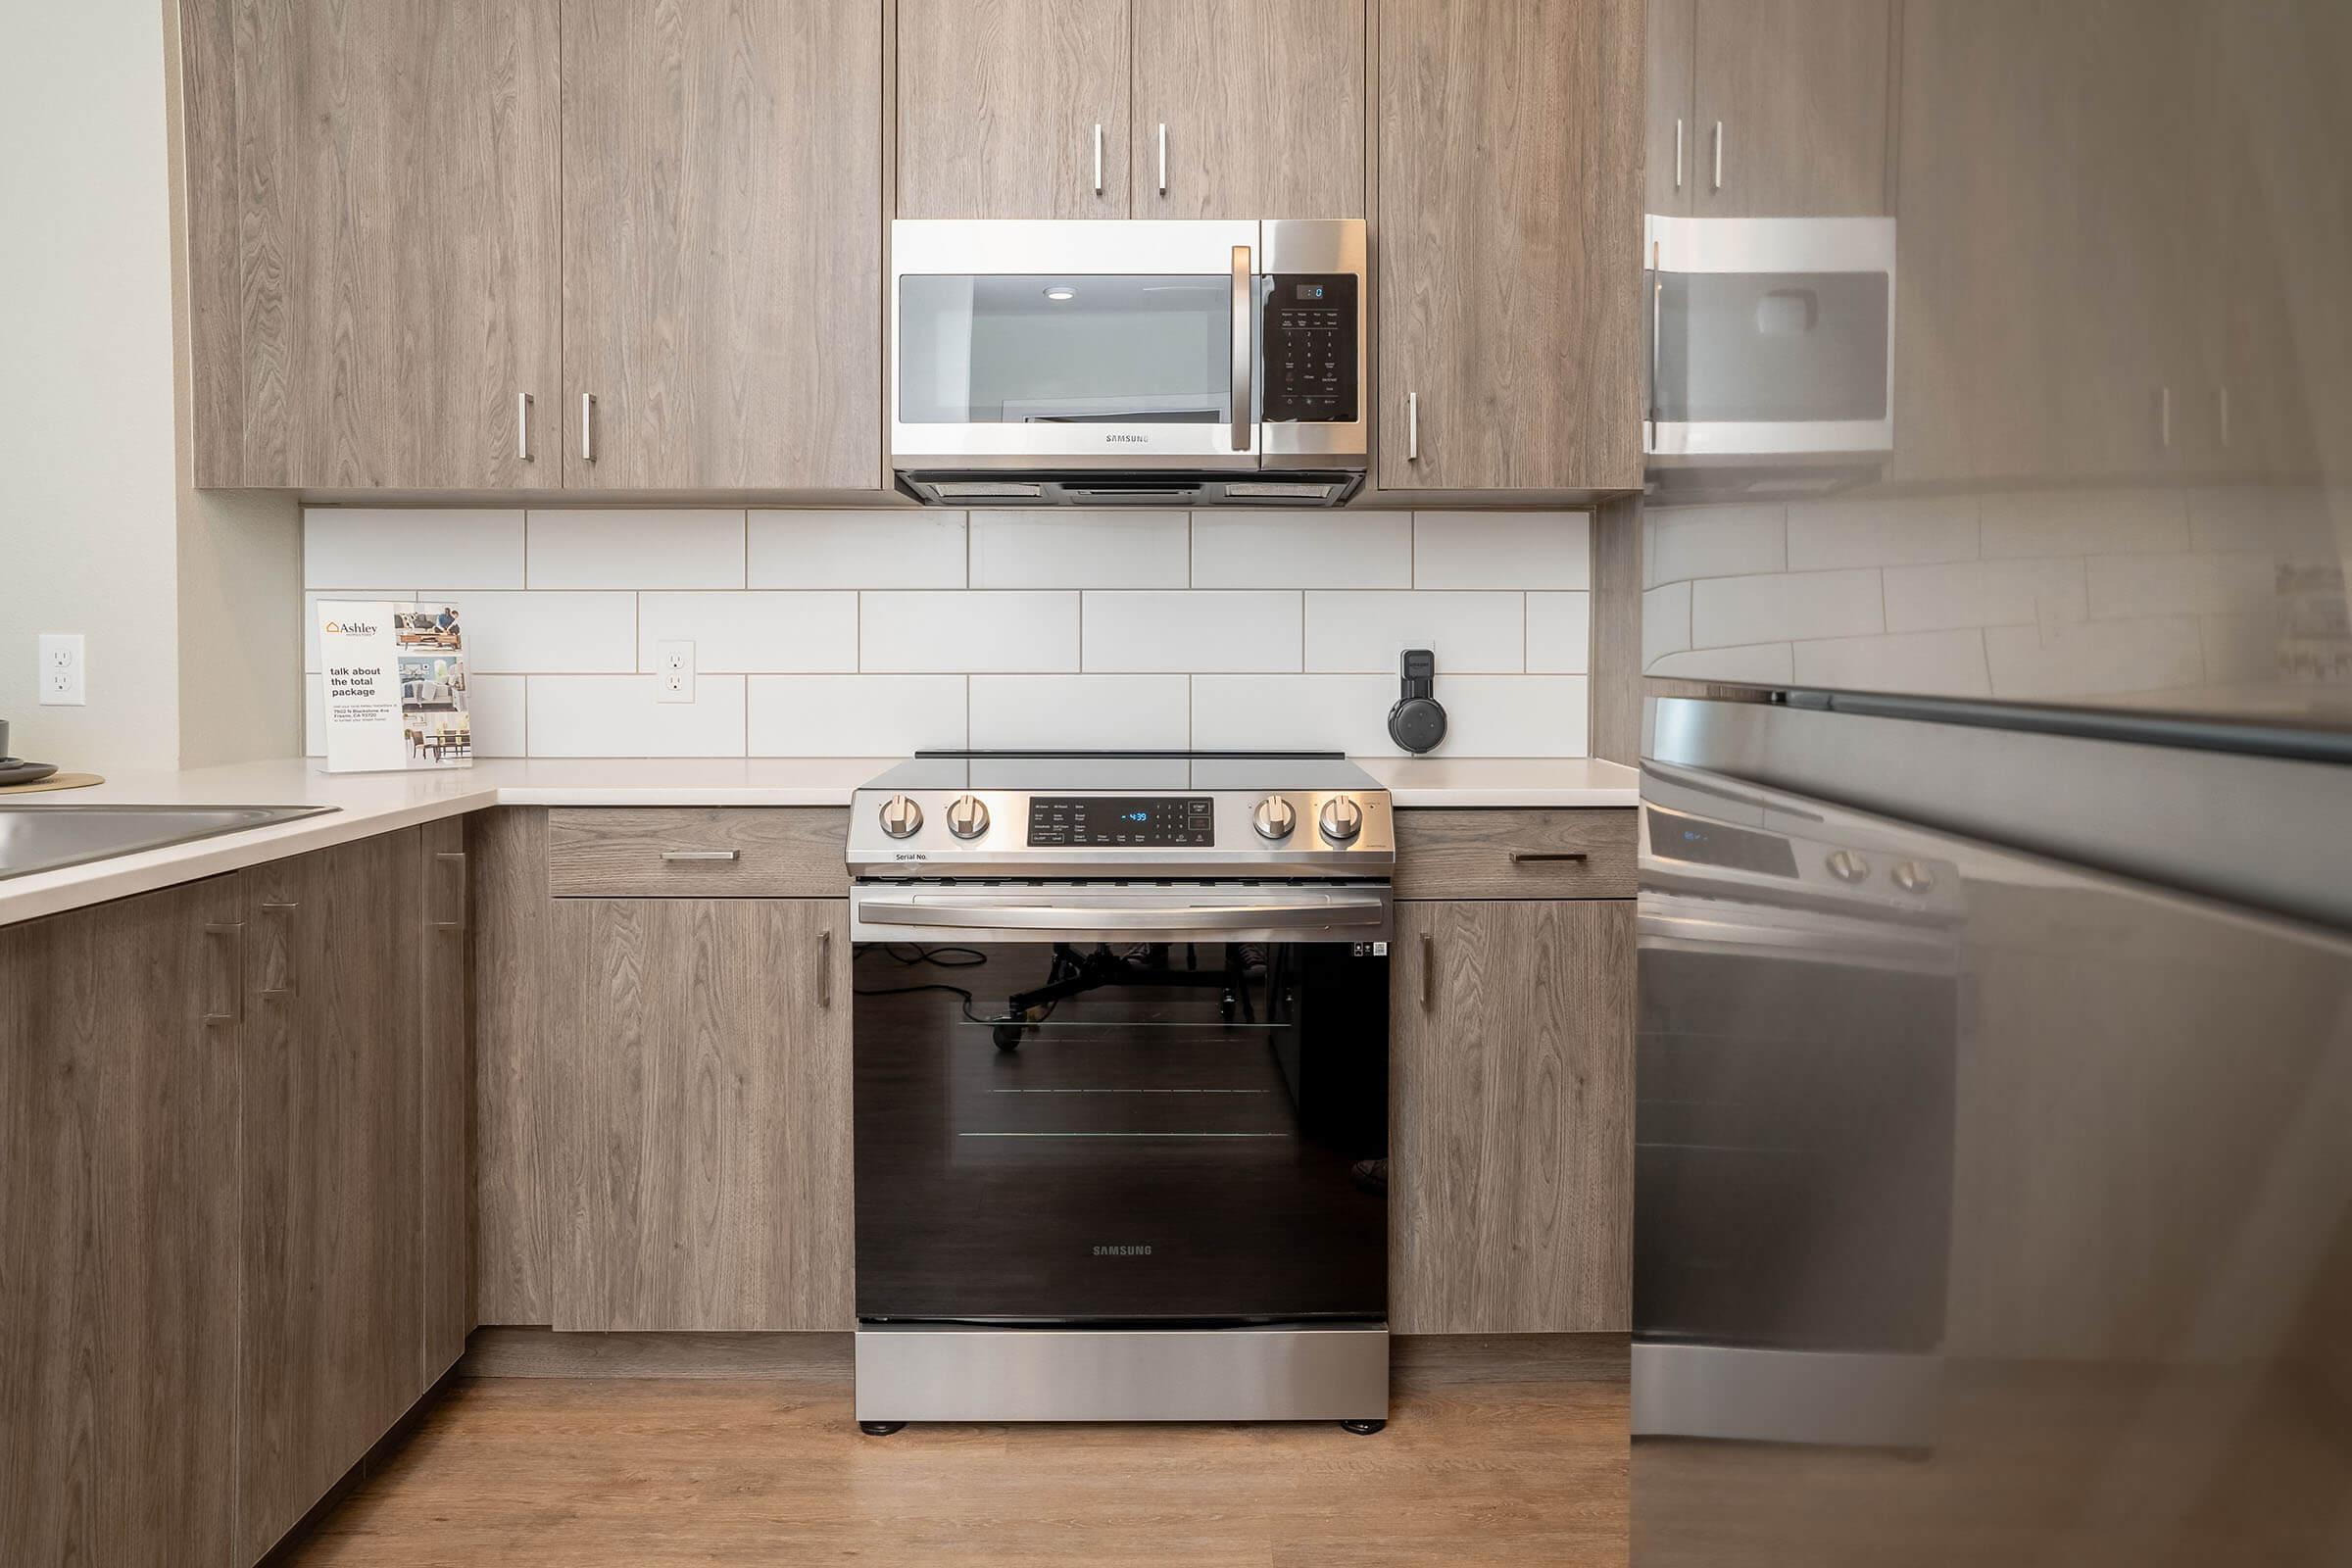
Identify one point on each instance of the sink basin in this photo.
(42, 838)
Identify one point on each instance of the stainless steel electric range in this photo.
(1121, 1087)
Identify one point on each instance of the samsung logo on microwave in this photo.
(1128, 440)
(1124, 1251)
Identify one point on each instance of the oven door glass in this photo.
(1771, 346)
(1061, 1133)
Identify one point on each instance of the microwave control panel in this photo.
(1311, 351)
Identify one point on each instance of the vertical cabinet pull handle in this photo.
(1413, 427)
(1719, 155)
(456, 858)
(1164, 157)
(522, 428)
(824, 971)
(1097, 157)
(1678, 152)
(235, 930)
(2223, 399)
(587, 427)
(2164, 416)
(1241, 388)
(1429, 971)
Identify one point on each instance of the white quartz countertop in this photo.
(379, 802)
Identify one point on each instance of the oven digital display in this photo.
(1128, 821)
(1684, 838)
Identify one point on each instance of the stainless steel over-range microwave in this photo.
(1144, 360)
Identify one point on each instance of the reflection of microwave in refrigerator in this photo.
(1771, 343)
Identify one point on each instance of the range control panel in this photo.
(1121, 820)
(1311, 351)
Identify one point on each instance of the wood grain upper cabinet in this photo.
(703, 1051)
(1508, 246)
(1511, 1140)
(1790, 116)
(332, 1170)
(722, 190)
(1012, 109)
(1248, 109)
(118, 1278)
(1668, 130)
(372, 243)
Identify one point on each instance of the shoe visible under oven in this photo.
(1121, 1108)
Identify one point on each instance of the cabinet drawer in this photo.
(684, 852)
(1574, 853)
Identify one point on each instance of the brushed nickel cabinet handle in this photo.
(824, 971)
(2222, 397)
(1526, 857)
(455, 857)
(587, 427)
(1429, 972)
(522, 428)
(702, 854)
(1678, 152)
(236, 974)
(1719, 155)
(1097, 157)
(2164, 416)
(1413, 427)
(1164, 157)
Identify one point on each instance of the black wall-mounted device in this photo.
(1417, 722)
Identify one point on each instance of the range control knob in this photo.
(967, 816)
(1913, 877)
(1847, 867)
(1274, 818)
(901, 818)
(1342, 819)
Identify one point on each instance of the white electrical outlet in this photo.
(62, 669)
(674, 666)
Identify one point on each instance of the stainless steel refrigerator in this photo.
(1993, 1186)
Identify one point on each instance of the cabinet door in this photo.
(1248, 109)
(1509, 245)
(722, 193)
(708, 1112)
(1791, 108)
(118, 1231)
(372, 245)
(1012, 109)
(1670, 137)
(1511, 1137)
(446, 1089)
(332, 1162)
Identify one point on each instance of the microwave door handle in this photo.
(1241, 347)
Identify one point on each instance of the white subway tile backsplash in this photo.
(1196, 630)
(1665, 621)
(496, 710)
(1367, 629)
(1939, 663)
(1081, 548)
(309, 613)
(2239, 647)
(670, 547)
(1729, 610)
(2094, 657)
(621, 716)
(1508, 550)
(909, 549)
(1487, 715)
(1515, 715)
(1032, 632)
(854, 715)
(1559, 633)
(2182, 584)
(745, 632)
(467, 546)
(1303, 549)
(1823, 535)
(2082, 522)
(2294, 524)
(1149, 711)
(1763, 663)
(560, 634)
(1983, 593)
(1683, 542)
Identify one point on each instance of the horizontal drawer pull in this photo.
(1523, 856)
(702, 854)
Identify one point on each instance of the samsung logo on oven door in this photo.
(1124, 1251)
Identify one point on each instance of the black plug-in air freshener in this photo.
(1417, 722)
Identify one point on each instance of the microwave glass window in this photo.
(1760, 347)
(1048, 348)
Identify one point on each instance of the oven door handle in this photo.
(1324, 915)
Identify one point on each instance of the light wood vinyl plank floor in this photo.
(1499, 1450)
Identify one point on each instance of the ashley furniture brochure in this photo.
(395, 677)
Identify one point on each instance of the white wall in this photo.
(88, 515)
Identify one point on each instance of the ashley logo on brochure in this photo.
(395, 686)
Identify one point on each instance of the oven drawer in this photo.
(1557, 853)
(683, 852)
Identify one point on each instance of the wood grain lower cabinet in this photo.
(331, 1162)
(702, 1053)
(119, 1273)
(1511, 1138)
(446, 1094)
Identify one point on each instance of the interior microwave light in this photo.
(1061, 291)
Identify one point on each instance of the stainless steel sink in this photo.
(42, 838)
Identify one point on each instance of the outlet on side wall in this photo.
(60, 669)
